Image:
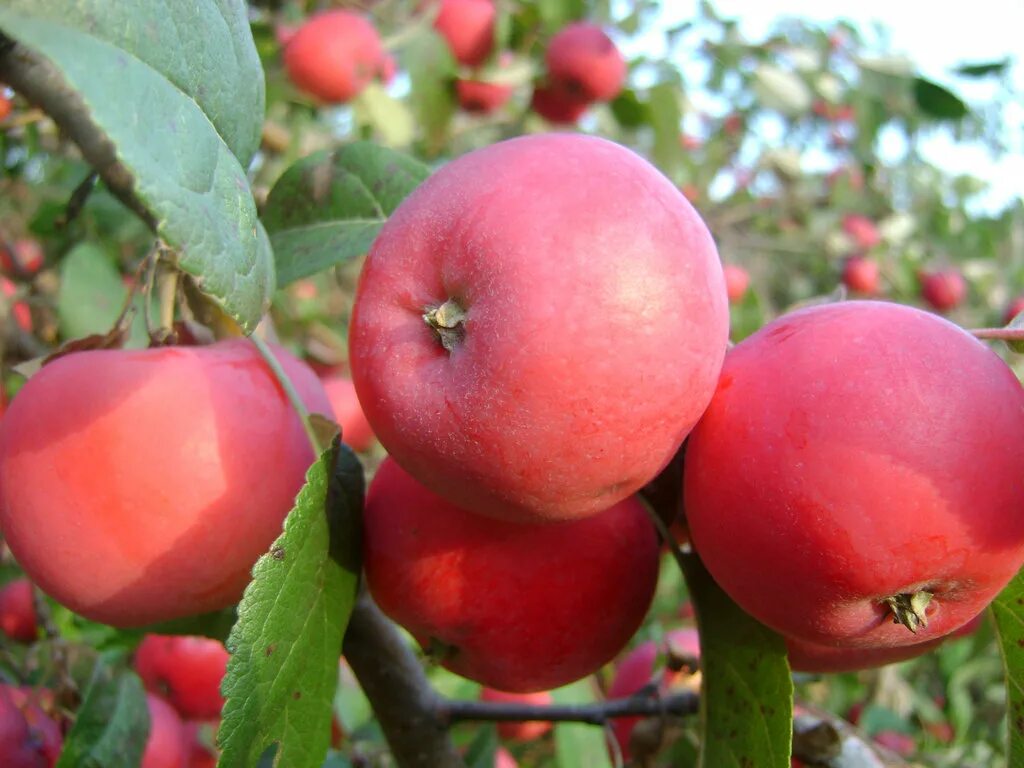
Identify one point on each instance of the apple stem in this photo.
(908, 609)
(290, 391)
(448, 321)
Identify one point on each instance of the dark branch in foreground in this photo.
(599, 713)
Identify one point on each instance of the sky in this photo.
(936, 37)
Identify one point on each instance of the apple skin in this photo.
(18, 619)
(861, 275)
(184, 670)
(482, 98)
(141, 486)
(556, 105)
(503, 759)
(523, 608)
(737, 280)
(167, 744)
(943, 290)
(637, 670)
(583, 59)
(596, 323)
(29, 738)
(862, 231)
(525, 731)
(856, 451)
(468, 27)
(810, 657)
(355, 429)
(334, 56)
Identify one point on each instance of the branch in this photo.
(391, 676)
(1003, 334)
(645, 703)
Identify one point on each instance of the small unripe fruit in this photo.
(943, 290)
(482, 98)
(737, 280)
(468, 27)
(585, 61)
(520, 731)
(860, 465)
(18, 612)
(186, 671)
(334, 56)
(861, 275)
(516, 607)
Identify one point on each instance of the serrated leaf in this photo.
(746, 706)
(329, 206)
(286, 644)
(111, 726)
(938, 102)
(578, 744)
(173, 160)
(1008, 611)
(92, 295)
(986, 69)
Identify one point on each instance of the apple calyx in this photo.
(908, 609)
(448, 322)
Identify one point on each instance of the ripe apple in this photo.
(186, 671)
(539, 356)
(355, 429)
(862, 231)
(503, 759)
(585, 61)
(637, 670)
(737, 280)
(29, 738)
(468, 27)
(811, 657)
(141, 486)
(334, 56)
(943, 290)
(24, 258)
(18, 618)
(513, 606)
(5, 107)
(859, 463)
(520, 731)
(861, 275)
(556, 105)
(482, 98)
(19, 311)
(1015, 308)
(167, 745)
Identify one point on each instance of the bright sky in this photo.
(936, 37)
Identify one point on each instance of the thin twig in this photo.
(290, 391)
(1002, 334)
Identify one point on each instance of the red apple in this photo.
(18, 612)
(857, 458)
(503, 759)
(468, 26)
(943, 290)
(518, 410)
(902, 744)
(141, 486)
(5, 107)
(584, 60)
(514, 606)
(166, 745)
(520, 731)
(861, 275)
(482, 98)
(556, 105)
(23, 259)
(19, 310)
(355, 429)
(862, 231)
(1015, 308)
(184, 670)
(811, 657)
(737, 280)
(29, 738)
(334, 56)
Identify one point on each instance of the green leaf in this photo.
(180, 163)
(432, 70)
(938, 102)
(286, 644)
(578, 744)
(746, 706)
(91, 296)
(111, 726)
(666, 116)
(1008, 612)
(390, 117)
(480, 752)
(986, 69)
(629, 111)
(1016, 324)
(329, 207)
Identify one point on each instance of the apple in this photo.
(468, 27)
(200, 753)
(334, 56)
(539, 356)
(184, 670)
(18, 619)
(943, 290)
(737, 280)
(520, 731)
(584, 60)
(139, 486)
(23, 258)
(517, 607)
(903, 744)
(1015, 308)
(355, 429)
(482, 98)
(811, 657)
(503, 759)
(861, 275)
(166, 745)
(859, 464)
(5, 107)
(556, 105)
(29, 738)
(19, 311)
(862, 231)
